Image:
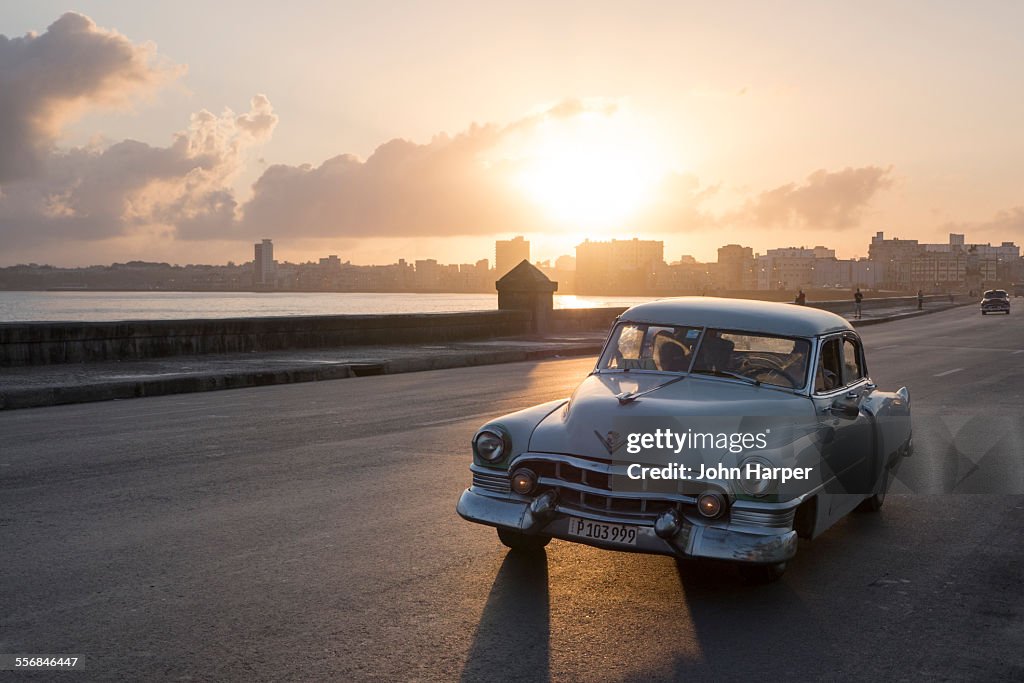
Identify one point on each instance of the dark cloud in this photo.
(47, 79)
(827, 200)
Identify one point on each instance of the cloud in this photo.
(453, 185)
(827, 200)
(48, 79)
(1006, 224)
(99, 193)
(402, 189)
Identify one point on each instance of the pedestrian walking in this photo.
(858, 298)
(801, 298)
(920, 299)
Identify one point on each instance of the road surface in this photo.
(308, 531)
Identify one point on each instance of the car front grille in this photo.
(497, 481)
(780, 519)
(586, 485)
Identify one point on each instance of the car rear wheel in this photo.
(521, 542)
(762, 573)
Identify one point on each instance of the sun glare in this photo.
(594, 170)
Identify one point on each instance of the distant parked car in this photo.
(995, 301)
(556, 470)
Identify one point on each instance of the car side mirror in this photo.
(846, 407)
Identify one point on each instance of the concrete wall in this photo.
(71, 342)
(847, 305)
(569, 320)
(44, 343)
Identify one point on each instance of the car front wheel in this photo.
(520, 542)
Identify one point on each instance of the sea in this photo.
(106, 306)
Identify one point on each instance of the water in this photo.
(97, 306)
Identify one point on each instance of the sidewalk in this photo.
(29, 387)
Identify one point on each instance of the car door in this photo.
(847, 446)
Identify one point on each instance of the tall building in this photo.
(735, 267)
(263, 264)
(618, 266)
(508, 254)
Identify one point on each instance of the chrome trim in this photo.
(606, 469)
(491, 479)
(780, 519)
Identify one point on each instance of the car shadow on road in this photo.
(513, 638)
(745, 630)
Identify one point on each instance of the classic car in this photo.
(565, 469)
(995, 301)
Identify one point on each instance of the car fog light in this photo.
(667, 524)
(544, 504)
(710, 505)
(523, 481)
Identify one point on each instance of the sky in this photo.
(186, 131)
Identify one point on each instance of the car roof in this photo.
(769, 317)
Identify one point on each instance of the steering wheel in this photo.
(774, 372)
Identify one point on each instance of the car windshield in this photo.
(995, 294)
(759, 358)
(779, 361)
(636, 346)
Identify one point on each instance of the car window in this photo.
(852, 370)
(779, 361)
(829, 374)
(665, 348)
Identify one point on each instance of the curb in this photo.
(111, 391)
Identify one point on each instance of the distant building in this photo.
(508, 254)
(618, 266)
(790, 267)
(735, 268)
(910, 265)
(264, 271)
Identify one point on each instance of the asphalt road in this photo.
(308, 531)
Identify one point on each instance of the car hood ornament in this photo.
(612, 442)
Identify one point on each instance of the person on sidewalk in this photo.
(801, 298)
(920, 299)
(858, 297)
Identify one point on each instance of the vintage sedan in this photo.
(588, 468)
(995, 301)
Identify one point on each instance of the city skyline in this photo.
(631, 267)
(693, 126)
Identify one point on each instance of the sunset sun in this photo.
(594, 170)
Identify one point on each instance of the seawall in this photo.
(43, 343)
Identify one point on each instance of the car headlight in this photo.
(490, 444)
(756, 477)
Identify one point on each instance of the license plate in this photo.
(623, 534)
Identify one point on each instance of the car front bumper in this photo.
(694, 540)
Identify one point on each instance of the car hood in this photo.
(581, 427)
